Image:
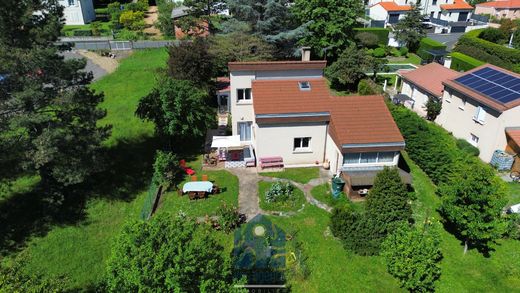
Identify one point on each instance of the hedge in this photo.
(427, 44)
(101, 11)
(381, 33)
(432, 148)
(82, 33)
(463, 62)
(471, 45)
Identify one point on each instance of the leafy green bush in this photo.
(101, 11)
(379, 52)
(403, 51)
(367, 39)
(279, 191)
(368, 87)
(428, 44)
(228, 217)
(467, 147)
(463, 62)
(395, 52)
(493, 35)
(513, 226)
(167, 169)
(381, 33)
(471, 45)
(82, 33)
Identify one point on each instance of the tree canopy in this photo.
(409, 31)
(48, 114)
(331, 23)
(168, 254)
(350, 68)
(472, 204)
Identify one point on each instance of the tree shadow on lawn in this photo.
(482, 249)
(24, 215)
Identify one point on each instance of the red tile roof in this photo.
(494, 104)
(501, 4)
(430, 77)
(392, 6)
(223, 84)
(277, 65)
(354, 119)
(457, 5)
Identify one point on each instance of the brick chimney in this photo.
(306, 54)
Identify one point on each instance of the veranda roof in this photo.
(226, 141)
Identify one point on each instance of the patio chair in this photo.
(194, 178)
(205, 177)
(215, 190)
(201, 194)
(192, 195)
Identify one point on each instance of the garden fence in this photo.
(109, 44)
(154, 194)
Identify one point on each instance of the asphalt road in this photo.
(97, 71)
(448, 39)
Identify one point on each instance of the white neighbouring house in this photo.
(445, 15)
(482, 106)
(422, 84)
(284, 109)
(78, 12)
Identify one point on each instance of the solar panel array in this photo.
(495, 84)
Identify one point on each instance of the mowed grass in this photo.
(472, 272)
(80, 251)
(292, 205)
(133, 79)
(301, 175)
(514, 188)
(323, 194)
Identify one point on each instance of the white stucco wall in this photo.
(418, 95)
(333, 155)
(278, 140)
(453, 15)
(81, 12)
(240, 111)
(378, 13)
(458, 119)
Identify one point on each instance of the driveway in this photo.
(96, 70)
(448, 39)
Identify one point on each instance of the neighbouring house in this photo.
(444, 15)
(482, 106)
(500, 9)
(180, 12)
(422, 84)
(78, 12)
(284, 111)
(223, 95)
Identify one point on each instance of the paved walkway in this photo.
(249, 201)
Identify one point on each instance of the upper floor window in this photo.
(243, 94)
(474, 139)
(301, 143)
(71, 2)
(480, 115)
(434, 2)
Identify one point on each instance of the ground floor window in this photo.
(368, 158)
(473, 139)
(244, 130)
(301, 143)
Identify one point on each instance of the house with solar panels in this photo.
(482, 106)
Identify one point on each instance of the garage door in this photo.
(458, 29)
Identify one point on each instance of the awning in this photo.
(226, 141)
(366, 178)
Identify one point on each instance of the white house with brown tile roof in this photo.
(500, 9)
(284, 109)
(481, 106)
(424, 83)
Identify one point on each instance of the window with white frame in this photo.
(304, 85)
(480, 115)
(368, 158)
(243, 95)
(302, 144)
(244, 130)
(473, 139)
(71, 2)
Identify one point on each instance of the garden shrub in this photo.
(367, 39)
(395, 52)
(133, 20)
(493, 35)
(471, 45)
(228, 217)
(513, 226)
(381, 33)
(428, 44)
(101, 11)
(463, 62)
(467, 147)
(368, 87)
(379, 52)
(82, 33)
(279, 191)
(403, 51)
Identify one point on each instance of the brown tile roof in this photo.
(514, 134)
(354, 119)
(285, 96)
(277, 65)
(457, 5)
(392, 6)
(363, 120)
(494, 104)
(501, 4)
(430, 77)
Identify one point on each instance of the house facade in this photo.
(285, 109)
(422, 84)
(78, 12)
(500, 9)
(482, 106)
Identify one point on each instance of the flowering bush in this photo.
(279, 191)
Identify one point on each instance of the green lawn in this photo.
(412, 58)
(79, 251)
(68, 30)
(301, 175)
(514, 188)
(283, 206)
(228, 183)
(323, 194)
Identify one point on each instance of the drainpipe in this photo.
(325, 145)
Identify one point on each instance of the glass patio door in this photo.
(244, 130)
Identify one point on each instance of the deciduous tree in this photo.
(433, 109)
(349, 69)
(412, 256)
(409, 31)
(472, 204)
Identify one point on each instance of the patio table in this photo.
(196, 186)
